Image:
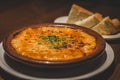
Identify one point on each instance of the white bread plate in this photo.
(63, 19)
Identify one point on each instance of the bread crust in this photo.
(105, 27)
(95, 21)
(77, 13)
(91, 21)
(81, 9)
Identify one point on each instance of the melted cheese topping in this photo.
(29, 43)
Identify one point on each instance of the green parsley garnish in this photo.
(55, 42)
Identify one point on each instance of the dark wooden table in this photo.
(17, 13)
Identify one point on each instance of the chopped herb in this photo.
(63, 38)
(44, 37)
(53, 38)
(55, 42)
(64, 44)
(39, 43)
(58, 45)
(51, 47)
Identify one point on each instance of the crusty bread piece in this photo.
(77, 13)
(90, 21)
(105, 27)
(116, 24)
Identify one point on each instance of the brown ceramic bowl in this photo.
(94, 59)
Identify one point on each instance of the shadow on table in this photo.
(104, 75)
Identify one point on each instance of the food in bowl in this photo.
(53, 44)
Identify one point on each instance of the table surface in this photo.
(17, 13)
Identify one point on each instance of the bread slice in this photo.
(105, 27)
(90, 21)
(116, 24)
(78, 13)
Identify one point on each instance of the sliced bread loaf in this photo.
(116, 24)
(90, 21)
(105, 27)
(78, 13)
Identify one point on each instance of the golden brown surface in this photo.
(53, 43)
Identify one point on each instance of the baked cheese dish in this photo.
(53, 43)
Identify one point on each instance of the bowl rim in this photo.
(10, 51)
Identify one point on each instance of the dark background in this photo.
(18, 13)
